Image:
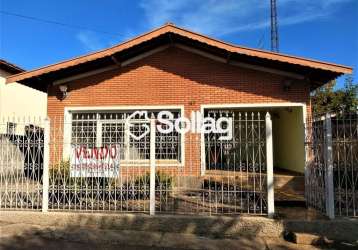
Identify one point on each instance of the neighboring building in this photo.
(174, 69)
(22, 109)
(18, 102)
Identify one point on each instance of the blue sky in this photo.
(319, 29)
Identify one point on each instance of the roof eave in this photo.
(10, 67)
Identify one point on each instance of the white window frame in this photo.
(245, 105)
(67, 131)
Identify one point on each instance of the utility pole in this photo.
(274, 27)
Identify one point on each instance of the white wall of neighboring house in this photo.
(20, 104)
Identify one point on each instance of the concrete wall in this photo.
(22, 102)
(288, 139)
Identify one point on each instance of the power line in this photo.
(58, 23)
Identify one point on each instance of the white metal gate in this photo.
(21, 164)
(97, 161)
(332, 164)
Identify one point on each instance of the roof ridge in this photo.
(170, 27)
(262, 50)
(94, 52)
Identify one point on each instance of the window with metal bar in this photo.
(100, 129)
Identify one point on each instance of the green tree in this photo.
(326, 99)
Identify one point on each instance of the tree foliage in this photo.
(327, 99)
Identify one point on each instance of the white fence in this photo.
(332, 167)
(97, 162)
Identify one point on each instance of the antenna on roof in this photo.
(274, 27)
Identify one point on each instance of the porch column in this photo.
(269, 166)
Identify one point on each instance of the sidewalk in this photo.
(25, 236)
(61, 230)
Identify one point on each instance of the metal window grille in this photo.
(97, 129)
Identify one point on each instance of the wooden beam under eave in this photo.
(228, 57)
(116, 61)
(86, 74)
(241, 64)
(111, 67)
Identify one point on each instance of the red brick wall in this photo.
(176, 77)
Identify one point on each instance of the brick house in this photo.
(174, 69)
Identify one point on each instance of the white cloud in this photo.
(220, 17)
(216, 17)
(90, 40)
